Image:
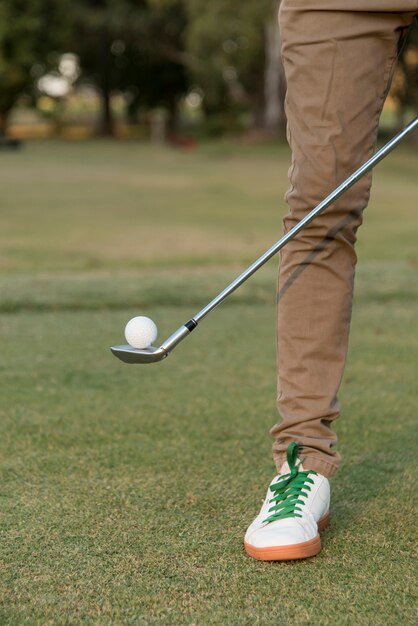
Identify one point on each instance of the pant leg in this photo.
(338, 65)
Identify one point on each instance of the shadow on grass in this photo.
(378, 471)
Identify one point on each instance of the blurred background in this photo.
(155, 70)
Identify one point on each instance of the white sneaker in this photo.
(296, 508)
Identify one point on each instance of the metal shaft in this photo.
(378, 156)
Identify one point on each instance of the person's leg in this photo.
(338, 65)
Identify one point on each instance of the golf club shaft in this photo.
(339, 191)
(184, 330)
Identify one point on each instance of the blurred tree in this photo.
(274, 117)
(405, 83)
(134, 46)
(32, 34)
(238, 48)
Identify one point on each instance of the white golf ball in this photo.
(140, 332)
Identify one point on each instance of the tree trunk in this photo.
(158, 126)
(172, 116)
(4, 115)
(274, 79)
(106, 121)
(106, 127)
(400, 117)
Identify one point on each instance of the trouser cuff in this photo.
(313, 463)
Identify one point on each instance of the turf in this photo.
(126, 491)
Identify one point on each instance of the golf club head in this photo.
(128, 354)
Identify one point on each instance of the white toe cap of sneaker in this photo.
(283, 532)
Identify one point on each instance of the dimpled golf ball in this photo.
(140, 332)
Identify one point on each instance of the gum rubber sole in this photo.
(292, 552)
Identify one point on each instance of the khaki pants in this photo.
(338, 57)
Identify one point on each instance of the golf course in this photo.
(126, 490)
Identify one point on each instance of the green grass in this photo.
(126, 491)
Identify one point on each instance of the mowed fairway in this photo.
(126, 490)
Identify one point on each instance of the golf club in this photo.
(128, 354)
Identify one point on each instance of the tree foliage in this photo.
(227, 37)
(32, 32)
(405, 84)
(134, 46)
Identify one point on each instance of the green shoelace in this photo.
(289, 488)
